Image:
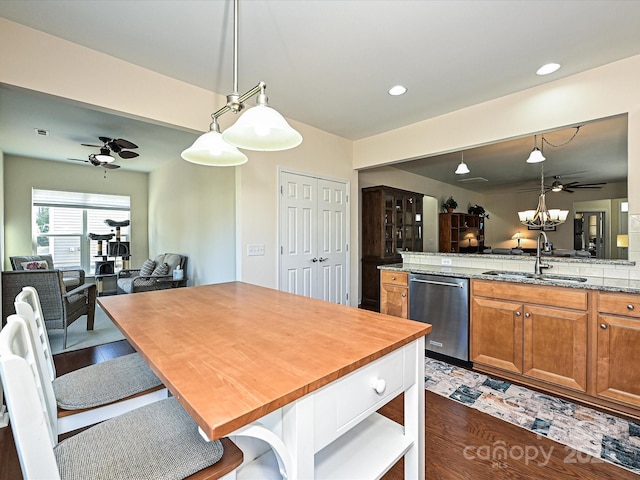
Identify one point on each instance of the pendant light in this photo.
(211, 150)
(260, 128)
(536, 155)
(462, 168)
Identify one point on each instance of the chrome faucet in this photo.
(539, 265)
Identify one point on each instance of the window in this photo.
(62, 222)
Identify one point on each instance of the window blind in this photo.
(49, 198)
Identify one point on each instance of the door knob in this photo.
(322, 259)
(314, 259)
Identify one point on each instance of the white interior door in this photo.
(314, 237)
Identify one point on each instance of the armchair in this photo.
(154, 275)
(73, 276)
(60, 307)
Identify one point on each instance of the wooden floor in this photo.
(461, 443)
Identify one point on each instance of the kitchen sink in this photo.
(543, 277)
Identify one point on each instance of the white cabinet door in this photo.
(314, 237)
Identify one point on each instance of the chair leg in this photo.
(91, 315)
(64, 338)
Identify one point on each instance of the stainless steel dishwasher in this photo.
(444, 303)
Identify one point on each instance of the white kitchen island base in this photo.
(335, 433)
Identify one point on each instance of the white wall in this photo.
(21, 174)
(192, 212)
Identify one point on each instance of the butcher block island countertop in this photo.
(234, 352)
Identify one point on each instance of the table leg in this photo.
(414, 461)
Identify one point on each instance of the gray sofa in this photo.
(155, 274)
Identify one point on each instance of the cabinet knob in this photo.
(518, 314)
(527, 314)
(393, 279)
(603, 326)
(404, 294)
(630, 307)
(379, 385)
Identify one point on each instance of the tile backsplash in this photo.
(614, 269)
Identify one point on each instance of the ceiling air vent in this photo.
(473, 180)
(42, 132)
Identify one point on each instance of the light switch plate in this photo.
(254, 249)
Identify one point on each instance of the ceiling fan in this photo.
(105, 158)
(570, 187)
(116, 145)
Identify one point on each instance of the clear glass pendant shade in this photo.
(210, 149)
(262, 128)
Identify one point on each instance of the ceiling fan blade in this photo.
(122, 143)
(110, 166)
(78, 160)
(127, 154)
(567, 190)
(105, 140)
(588, 185)
(90, 145)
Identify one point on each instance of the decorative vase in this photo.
(449, 210)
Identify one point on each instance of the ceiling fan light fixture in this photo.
(462, 167)
(104, 156)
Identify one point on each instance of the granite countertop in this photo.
(592, 283)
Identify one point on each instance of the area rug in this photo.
(584, 429)
(104, 331)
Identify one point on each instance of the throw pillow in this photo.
(147, 267)
(161, 270)
(35, 265)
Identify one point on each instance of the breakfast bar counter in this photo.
(305, 375)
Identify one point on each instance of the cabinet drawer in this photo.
(532, 294)
(394, 278)
(354, 397)
(619, 304)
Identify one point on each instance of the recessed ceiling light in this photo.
(397, 90)
(548, 68)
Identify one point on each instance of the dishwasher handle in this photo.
(433, 282)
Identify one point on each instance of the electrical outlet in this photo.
(446, 261)
(254, 249)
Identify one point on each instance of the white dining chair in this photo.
(157, 441)
(91, 394)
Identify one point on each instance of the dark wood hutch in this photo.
(391, 222)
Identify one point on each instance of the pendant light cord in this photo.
(544, 140)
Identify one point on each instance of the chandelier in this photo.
(260, 128)
(543, 217)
